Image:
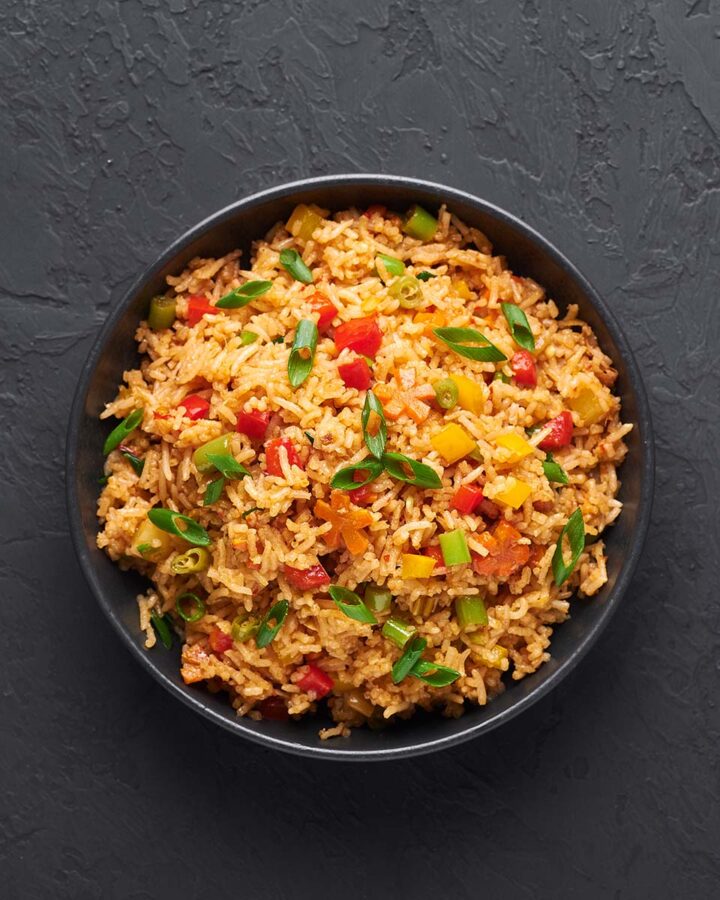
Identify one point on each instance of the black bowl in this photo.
(236, 226)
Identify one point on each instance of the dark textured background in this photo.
(122, 123)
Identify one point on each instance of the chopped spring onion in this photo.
(162, 312)
(519, 326)
(397, 631)
(219, 445)
(434, 674)
(344, 480)
(425, 276)
(575, 530)
(554, 472)
(171, 521)
(280, 339)
(501, 376)
(244, 294)
(213, 491)
(250, 511)
(244, 627)
(123, 430)
(418, 223)
(247, 338)
(419, 475)
(302, 355)
(374, 428)
(271, 623)
(135, 461)
(309, 437)
(347, 601)
(292, 262)
(454, 548)
(407, 292)
(195, 560)
(393, 266)
(377, 599)
(414, 650)
(461, 340)
(227, 465)
(446, 393)
(163, 629)
(196, 610)
(470, 611)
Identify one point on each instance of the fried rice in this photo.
(265, 527)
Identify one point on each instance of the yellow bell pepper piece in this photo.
(515, 493)
(471, 395)
(462, 289)
(513, 448)
(152, 542)
(303, 221)
(452, 443)
(586, 403)
(416, 566)
(495, 657)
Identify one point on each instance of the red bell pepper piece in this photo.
(524, 370)
(219, 641)
(361, 335)
(272, 455)
(320, 304)
(435, 553)
(253, 423)
(307, 579)
(356, 374)
(362, 495)
(315, 681)
(561, 430)
(467, 499)
(197, 307)
(273, 708)
(195, 407)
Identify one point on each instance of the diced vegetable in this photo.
(560, 434)
(348, 523)
(515, 493)
(462, 289)
(191, 611)
(151, 542)
(361, 335)
(307, 579)
(315, 681)
(513, 448)
(349, 602)
(272, 456)
(574, 528)
(470, 611)
(418, 223)
(197, 559)
(407, 291)
(181, 526)
(397, 631)
(325, 310)
(471, 395)
(293, 264)
(398, 401)
(414, 565)
(302, 355)
(446, 393)
(524, 369)
(351, 478)
(271, 623)
(505, 552)
(303, 221)
(494, 657)
(244, 627)
(587, 404)
(413, 651)
(454, 548)
(198, 307)
(196, 407)
(218, 445)
(219, 641)
(393, 265)
(501, 376)
(162, 312)
(356, 374)
(554, 472)
(362, 495)
(377, 599)
(253, 423)
(467, 499)
(274, 709)
(436, 554)
(452, 443)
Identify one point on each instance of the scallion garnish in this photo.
(103, 479)
(213, 491)
(406, 291)
(397, 631)
(196, 610)
(171, 521)
(411, 471)
(343, 479)
(347, 601)
(471, 611)
(163, 629)
(302, 355)
(575, 530)
(554, 472)
(418, 223)
(378, 599)
(374, 428)
(519, 326)
(292, 262)
(227, 465)
(250, 511)
(309, 437)
(393, 265)
(434, 674)
(461, 340)
(247, 338)
(162, 312)
(425, 276)
(271, 623)
(123, 430)
(414, 650)
(446, 393)
(135, 461)
(454, 548)
(195, 560)
(244, 294)
(280, 339)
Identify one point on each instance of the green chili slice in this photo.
(554, 472)
(454, 548)
(171, 521)
(135, 461)
(434, 674)
(446, 393)
(377, 599)
(425, 276)
(418, 223)
(414, 650)
(292, 262)
(247, 338)
(575, 530)
(213, 491)
(244, 294)
(347, 601)
(197, 607)
(519, 325)
(163, 629)
(195, 560)
(397, 631)
(407, 292)
(375, 437)
(244, 627)
(420, 475)
(271, 623)
(302, 355)
(461, 340)
(121, 431)
(393, 265)
(471, 611)
(343, 479)
(162, 312)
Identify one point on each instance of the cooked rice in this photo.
(248, 553)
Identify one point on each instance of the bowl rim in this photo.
(646, 462)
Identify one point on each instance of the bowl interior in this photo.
(528, 254)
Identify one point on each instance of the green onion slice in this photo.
(420, 475)
(280, 339)
(227, 465)
(292, 262)
(250, 511)
(271, 623)
(393, 265)
(244, 294)
(519, 326)
(347, 601)
(196, 610)
(397, 631)
(373, 408)
(135, 461)
(309, 437)
(302, 355)
(418, 223)
(247, 338)
(554, 472)
(471, 611)
(213, 491)
(461, 340)
(446, 393)
(171, 521)
(414, 650)
(377, 599)
(407, 291)
(343, 479)
(163, 629)
(121, 431)
(195, 560)
(454, 548)
(162, 312)
(575, 530)
(425, 276)
(434, 674)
